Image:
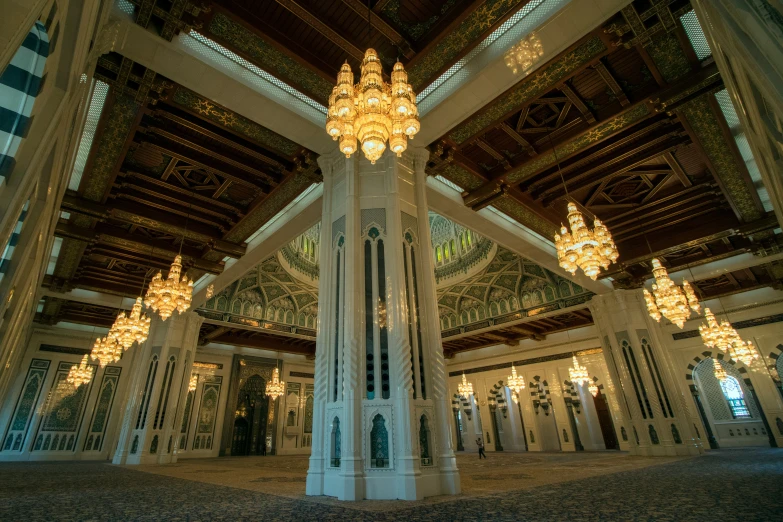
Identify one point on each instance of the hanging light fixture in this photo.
(715, 335)
(742, 351)
(80, 373)
(669, 300)
(210, 291)
(515, 383)
(193, 384)
(593, 389)
(372, 111)
(173, 293)
(133, 328)
(106, 350)
(578, 374)
(276, 387)
(720, 372)
(524, 54)
(465, 389)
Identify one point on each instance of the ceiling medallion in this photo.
(720, 372)
(515, 383)
(173, 293)
(669, 300)
(80, 373)
(275, 388)
(465, 389)
(583, 248)
(524, 54)
(578, 374)
(372, 111)
(593, 389)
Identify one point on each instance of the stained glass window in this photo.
(734, 396)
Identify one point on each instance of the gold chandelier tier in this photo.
(106, 350)
(742, 351)
(720, 372)
(276, 387)
(515, 383)
(578, 374)
(193, 383)
(583, 248)
(373, 112)
(669, 300)
(524, 54)
(465, 389)
(80, 373)
(593, 389)
(133, 328)
(716, 335)
(173, 293)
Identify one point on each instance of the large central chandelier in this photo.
(465, 389)
(578, 374)
(80, 373)
(275, 388)
(372, 111)
(669, 300)
(515, 383)
(524, 54)
(583, 248)
(173, 293)
(133, 328)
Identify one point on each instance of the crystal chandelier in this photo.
(742, 351)
(523, 55)
(578, 374)
(276, 387)
(106, 350)
(193, 384)
(173, 293)
(583, 248)
(716, 335)
(131, 329)
(720, 372)
(80, 373)
(372, 111)
(593, 389)
(465, 389)
(515, 383)
(669, 300)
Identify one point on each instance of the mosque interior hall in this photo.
(391, 260)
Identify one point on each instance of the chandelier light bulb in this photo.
(173, 293)
(515, 383)
(583, 248)
(80, 373)
(578, 374)
(275, 388)
(372, 112)
(465, 389)
(669, 300)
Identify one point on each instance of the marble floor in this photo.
(724, 485)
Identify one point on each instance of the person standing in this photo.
(480, 444)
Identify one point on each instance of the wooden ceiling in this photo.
(168, 172)
(625, 124)
(304, 42)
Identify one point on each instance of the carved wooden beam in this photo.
(268, 342)
(611, 82)
(382, 27)
(323, 28)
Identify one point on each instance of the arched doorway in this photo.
(239, 442)
(605, 421)
(250, 421)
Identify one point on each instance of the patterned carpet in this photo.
(725, 485)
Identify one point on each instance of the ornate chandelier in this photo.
(593, 389)
(583, 248)
(720, 372)
(742, 351)
(465, 389)
(193, 384)
(173, 293)
(523, 55)
(131, 329)
(80, 373)
(372, 111)
(515, 383)
(106, 350)
(668, 299)
(276, 387)
(578, 374)
(716, 335)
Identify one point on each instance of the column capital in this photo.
(420, 157)
(328, 162)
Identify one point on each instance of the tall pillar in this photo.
(155, 401)
(382, 415)
(658, 423)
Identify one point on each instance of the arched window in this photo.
(336, 444)
(734, 396)
(21, 83)
(462, 241)
(438, 255)
(424, 441)
(446, 250)
(379, 443)
(451, 247)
